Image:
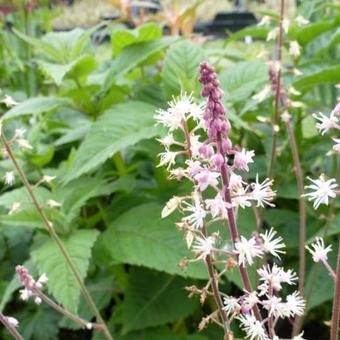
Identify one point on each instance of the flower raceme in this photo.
(198, 148)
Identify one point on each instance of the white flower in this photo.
(37, 300)
(276, 275)
(265, 21)
(295, 305)
(24, 144)
(206, 178)
(217, 206)
(322, 190)
(318, 250)
(294, 49)
(235, 181)
(243, 158)
(299, 337)
(272, 35)
(167, 140)
(43, 279)
(179, 110)
(9, 101)
(52, 204)
(336, 146)
(231, 305)
(9, 178)
(301, 21)
(13, 322)
(196, 219)
(171, 206)
(271, 244)
(47, 179)
(325, 123)
(247, 250)
(203, 246)
(14, 208)
(262, 192)
(19, 133)
(253, 328)
(250, 300)
(240, 198)
(263, 94)
(275, 306)
(89, 325)
(25, 294)
(195, 144)
(167, 158)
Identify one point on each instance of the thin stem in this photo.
(329, 269)
(55, 237)
(336, 302)
(302, 212)
(68, 314)
(277, 93)
(232, 221)
(16, 335)
(271, 324)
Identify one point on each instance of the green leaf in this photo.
(326, 75)
(241, 80)
(118, 128)
(124, 37)
(140, 237)
(181, 67)
(40, 323)
(36, 105)
(153, 299)
(50, 261)
(79, 67)
(132, 55)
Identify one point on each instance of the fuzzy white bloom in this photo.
(231, 305)
(37, 300)
(247, 250)
(272, 245)
(265, 21)
(325, 123)
(203, 246)
(9, 101)
(250, 301)
(263, 94)
(13, 322)
(240, 198)
(47, 179)
(276, 275)
(235, 181)
(179, 109)
(272, 35)
(253, 328)
(318, 250)
(196, 219)
(52, 204)
(274, 306)
(9, 178)
(25, 294)
(295, 305)
(24, 144)
(167, 140)
(294, 49)
(243, 158)
(262, 192)
(301, 21)
(195, 145)
(336, 146)
(217, 206)
(322, 190)
(167, 158)
(14, 208)
(206, 178)
(171, 206)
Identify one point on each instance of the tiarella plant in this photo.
(198, 148)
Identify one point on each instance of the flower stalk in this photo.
(336, 303)
(10, 327)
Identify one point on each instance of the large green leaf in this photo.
(154, 298)
(180, 68)
(140, 237)
(36, 105)
(50, 261)
(329, 74)
(123, 126)
(241, 80)
(79, 67)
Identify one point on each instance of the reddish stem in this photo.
(336, 302)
